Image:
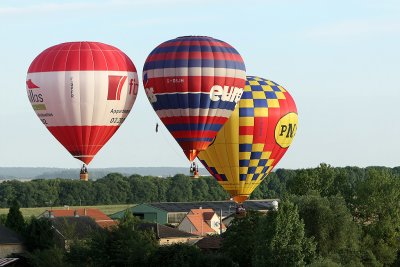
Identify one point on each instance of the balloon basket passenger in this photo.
(240, 211)
(84, 175)
(194, 171)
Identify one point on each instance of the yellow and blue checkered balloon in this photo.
(254, 139)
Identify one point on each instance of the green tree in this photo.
(239, 240)
(200, 190)
(217, 260)
(49, 257)
(112, 189)
(263, 191)
(328, 220)
(215, 191)
(7, 193)
(3, 218)
(39, 234)
(304, 182)
(162, 187)
(118, 186)
(120, 246)
(182, 255)
(187, 255)
(143, 189)
(15, 220)
(280, 239)
(180, 188)
(376, 206)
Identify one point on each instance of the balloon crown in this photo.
(186, 36)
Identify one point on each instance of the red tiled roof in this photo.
(100, 218)
(207, 213)
(201, 226)
(106, 224)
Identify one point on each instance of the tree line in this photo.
(114, 188)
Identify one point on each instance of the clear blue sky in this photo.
(340, 60)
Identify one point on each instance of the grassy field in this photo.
(107, 209)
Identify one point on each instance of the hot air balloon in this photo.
(254, 139)
(82, 92)
(194, 84)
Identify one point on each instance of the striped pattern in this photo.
(178, 77)
(247, 149)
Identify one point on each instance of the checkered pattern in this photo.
(259, 96)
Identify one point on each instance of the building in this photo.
(98, 216)
(174, 212)
(10, 242)
(168, 235)
(202, 222)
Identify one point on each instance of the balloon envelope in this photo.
(193, 84)
(82, 92)
(254, 139)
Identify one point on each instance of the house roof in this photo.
(209, 242)
(227, 207)
(8, 236)
(207, 213)
(79, 227)
(198, 222)
(7, 261)
(101, 219)
(201, 211)
(163, 231)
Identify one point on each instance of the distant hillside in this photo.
(95, 173)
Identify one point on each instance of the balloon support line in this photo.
(168, 142)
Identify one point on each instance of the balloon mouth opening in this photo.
(191, 154)
(239, 199)
(84, 158)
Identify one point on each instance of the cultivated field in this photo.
(107, 209)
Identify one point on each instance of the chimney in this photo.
(85, 211)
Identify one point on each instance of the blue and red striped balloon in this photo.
(194, 84)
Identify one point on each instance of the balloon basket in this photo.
(240, 211)
(84, 177)
(195, 175)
